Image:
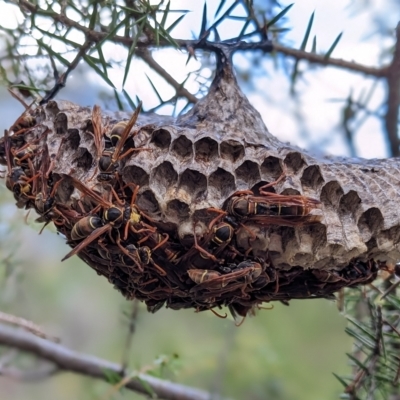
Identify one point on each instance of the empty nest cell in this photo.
(294, 161)
(147, 202)
(248, 173)
(231, 151)
(312, 177)
(194, 183)
(206, 150)
(73, 138)
(331, 193)
(164, 177)
(136, 175)
(61, 124)
(84, 159)
(350, 202)
(372, 219)
(182, 147)
(271, 168)
(221, 184)
(178, 210)
(161, 138)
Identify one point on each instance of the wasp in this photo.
(240, 310)
(272, 208)
(21, 155)
(114, 216)
(154, 305)
(108, 158)
(139, 256)
(24, 122)
(220, 236)
(88, 228)
(92, 227)
(45, 198)
(144, 255)
(133, 218)
(16, 179)
(205, 254)
(330, 276)
(361, 272)
(85, 227)
(210, 280)
(160, 241)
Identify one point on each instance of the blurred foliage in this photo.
(285, 353)
(374, 319)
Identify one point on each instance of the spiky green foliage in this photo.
(373, 315)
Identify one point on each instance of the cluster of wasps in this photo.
(109, 231)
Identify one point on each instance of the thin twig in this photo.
(68, 360)
(129, 337)
(28, 325)
(334, 62)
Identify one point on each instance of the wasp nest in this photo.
(205, 210)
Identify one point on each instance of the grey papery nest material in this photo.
(204, 210)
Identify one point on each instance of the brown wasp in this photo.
(361, 272)
(239, 310)
(159, 241)
(25, 121)
(21, 155)
(215, 241)
(114, 216)
(273, 208)
(108, 158)
(211, 280)
(90, 228)
(45, 198)
(16, 179)
(141, 256)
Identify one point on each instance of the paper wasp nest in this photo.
(205, 210)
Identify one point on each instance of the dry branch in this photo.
(84, 364)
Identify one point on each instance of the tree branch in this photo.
(334, 62)
(83, 364)
(144, 42)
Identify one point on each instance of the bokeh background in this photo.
(283, 353)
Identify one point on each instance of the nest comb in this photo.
(203, 211)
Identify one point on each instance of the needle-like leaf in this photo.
(334, 44)
(132, 51)
(279, 16)
(98, 71)
(118, 100)
(220, 7)
(155, 89)
(307, 33)
(203, 26)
